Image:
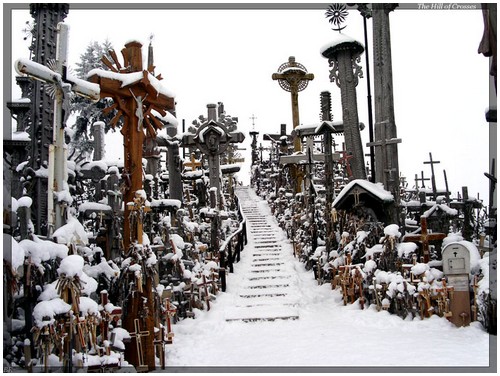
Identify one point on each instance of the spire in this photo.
(151, 67)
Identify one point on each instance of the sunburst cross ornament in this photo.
(336, 14)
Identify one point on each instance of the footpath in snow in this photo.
(274, 314)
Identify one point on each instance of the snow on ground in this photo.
(327, 333)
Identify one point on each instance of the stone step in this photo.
(266, 258)
(259, 285)
(267, 264)
(269, 311)
(269, 277)
(267, 254)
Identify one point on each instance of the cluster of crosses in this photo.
(102, 279)
(131, 258)
(339, 213)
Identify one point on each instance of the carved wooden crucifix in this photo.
(137, 95)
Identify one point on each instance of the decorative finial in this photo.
(151, 37)
(336, 15)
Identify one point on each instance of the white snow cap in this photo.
(71, 266)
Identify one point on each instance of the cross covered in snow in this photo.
(213, 138)
(141, 101)
(63, 86)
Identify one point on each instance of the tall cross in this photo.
(137, 96)
(424, 238)
(433, 177)
(63, 87)
(293, 77)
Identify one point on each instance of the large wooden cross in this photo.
(424, 238)
(137, 95)
(63, 85)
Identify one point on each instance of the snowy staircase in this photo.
(268, 290)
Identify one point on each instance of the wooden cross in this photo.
(387, 163)
(63, 88)
(137, 96)
(444, 295)
(193, 164)
(138, 342)
(137, 210)
(160, 343)
(424, 238)
(433, 177)
(293, 77)
(169, 312)
(345, 161)
(204, 285)
(422, 179)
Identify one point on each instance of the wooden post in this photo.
(343, 58)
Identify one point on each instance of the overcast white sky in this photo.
(441, 83)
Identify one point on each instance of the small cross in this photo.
(433, 177)
(253, 117)
(345, 161)
(204, 284)
(422, 179)
(169, 312)
(138, 341)
(193, 164)
(160, 343)
(101, 215)
(356, 192)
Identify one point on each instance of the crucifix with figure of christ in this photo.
(137, 95)
(139, 99)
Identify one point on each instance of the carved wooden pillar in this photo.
(384, 100)
(343, 55)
